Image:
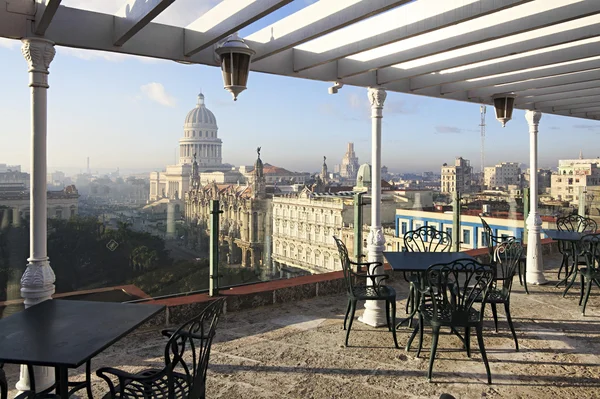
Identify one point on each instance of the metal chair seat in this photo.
(156, 387)
(373, 292)
(445, 316)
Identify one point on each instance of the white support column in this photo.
(374, 314)
(535, 265)
(37, 282)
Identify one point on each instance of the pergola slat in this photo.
(593, 91)
(538, 84)
(304, 59)
(349, 67)
(134, 15)
(570, 105)
(44, 14)
(233, 16)
(267, 43)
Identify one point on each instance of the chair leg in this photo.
(568, 287)
(479, 330)
(468, 340)
(520, 273)
(421, 329)
(563, 263)
(393, 323)
(524, 263)
(352, 310)
(495, 315)
(587, 296)
(581, 288)
(434, 342)
(347, 311)
(388, 305)
(510, 324)
(409, 299)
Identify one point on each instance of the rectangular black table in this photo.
(558, 235)
(66, 334)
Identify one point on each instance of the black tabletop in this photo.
(420, 261)
(564, 235)
(68, 333)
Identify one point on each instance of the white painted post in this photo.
(374, 314)
(37, 282)
(535, 265)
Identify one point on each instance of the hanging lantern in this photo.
(504, 103)
(235, 58)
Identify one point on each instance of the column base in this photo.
(374, 314)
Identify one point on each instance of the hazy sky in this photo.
(128, 112)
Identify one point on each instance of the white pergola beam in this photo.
(349, 67)
(134, 15)
(557, 104)
(527, 61)
(567, 94)
(547, 83)
(588, 109)
(458, 13)
(44, 14)
(572, 106)
(309, 23)
(224, 19)
(550, 73)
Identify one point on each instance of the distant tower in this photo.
(258, 178)
(88, 166)
(350, 164)
(482, 127)
(324, 173)
(195, 175)
(580, 154)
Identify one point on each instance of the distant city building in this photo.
(457, 177)
(573, 175)
(12, 175)
(199, 142)
(544, 177)
(9, 168)
(350, 165)
(502, 175)
(245, 225)
(61, 204)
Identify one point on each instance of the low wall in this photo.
(180, 309)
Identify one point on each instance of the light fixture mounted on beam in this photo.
(235, 58)
(504, 103)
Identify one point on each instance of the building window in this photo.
(404, 227)
(449, 231)
(466, 237)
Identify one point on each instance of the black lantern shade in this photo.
(504, 103)
(235, 58)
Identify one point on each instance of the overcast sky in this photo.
(128, 112)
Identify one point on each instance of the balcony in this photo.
(293, 349)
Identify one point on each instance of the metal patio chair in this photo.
(568, 250)
(357, 291)
(506, 259)
(186, 360)
(491, 241)
(423, 239)
(454, 288)
(590, 273)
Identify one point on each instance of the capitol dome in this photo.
(200, 115)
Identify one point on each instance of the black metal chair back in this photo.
(590, 251)
(346, 265)
(456, 286)
(506, 260)
(193, 340)
(427, 239)
(576, 223)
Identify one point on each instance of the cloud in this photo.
(587, 127)
(9, 43)
(156, 92)
(444, 129)
(554, 128)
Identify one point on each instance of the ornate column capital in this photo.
(533, 118)
(37, 282)
(377, 97)
(38, 53)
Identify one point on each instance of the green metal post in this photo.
(456, 221)
(525, 213)
(213, 287)
(358, 222)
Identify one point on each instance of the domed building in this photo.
(201, 144)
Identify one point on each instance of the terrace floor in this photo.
(296, 350)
